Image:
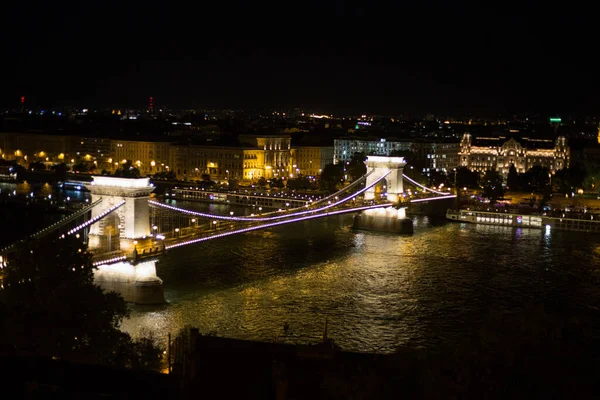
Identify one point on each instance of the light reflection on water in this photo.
(40, 189)
(378, 291)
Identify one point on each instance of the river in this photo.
(377, 291)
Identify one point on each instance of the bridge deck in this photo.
(199, 233)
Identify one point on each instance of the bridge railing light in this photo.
(246, 219)
(272, 224)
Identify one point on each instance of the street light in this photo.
(215, 225)
(231, 213)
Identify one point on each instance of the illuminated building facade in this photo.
(254, 164)
(94, 150)
(259, 156)
(344, 149)
(277, 153)
(444, 156)
(25, 148)
(427, 154)
(149, 157)
(311, 160)
(500, 153)
(220, 163)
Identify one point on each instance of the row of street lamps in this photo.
(214, 223)
(194, 220)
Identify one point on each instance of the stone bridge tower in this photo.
(134, 278)
(394, 183)
(390, 219)
(131, 221)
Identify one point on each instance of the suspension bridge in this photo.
(127, 231)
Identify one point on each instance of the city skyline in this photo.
(316, 199)
(392, 59)
(26, 105)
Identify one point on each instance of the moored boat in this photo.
(521, 220)
(495, 218)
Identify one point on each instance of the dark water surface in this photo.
(378, 291)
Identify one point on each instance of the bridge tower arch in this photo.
(379, 165)
(131, 276)
(133, 216)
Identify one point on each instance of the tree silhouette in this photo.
(300, 182)
(165, 175)
(591, 179)
(561, 181)
(578, 175)
(331, 177)
(61, 171)
(37, 166)
(356, 166)
(437, 178)
(414, 164)
(49, 306)
(81, 168)
(578, 170)
(537, 179)
(276, 183)
(16, 168)
(491, 182)
(466, 178)
(127, 170)
(512, 180)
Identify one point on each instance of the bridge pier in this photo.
(135, 278)
(136, 282)
(388, 219)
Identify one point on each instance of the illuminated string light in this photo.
(355, 183)
(65, 220)
(334, 195)
(279, 215)
(434, 198)
(97, 218)
(301, 215)
(272, 224)
(115, 259)
(246, 219)
(423, 187)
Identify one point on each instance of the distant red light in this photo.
(22, 99)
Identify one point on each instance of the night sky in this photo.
(412, 57)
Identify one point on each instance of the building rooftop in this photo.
(525, 141)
